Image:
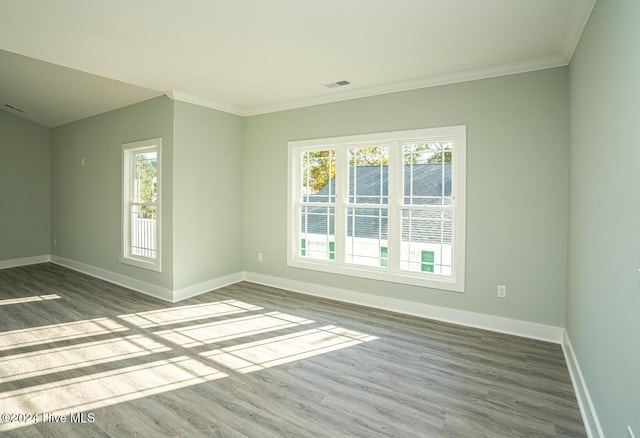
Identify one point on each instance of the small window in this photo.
(387, 206)
(141, 204)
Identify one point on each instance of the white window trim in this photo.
(127, 168)
(455, 282)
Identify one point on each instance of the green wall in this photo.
(207, 186)
(603, 302)
(25, 180)
(85, 213)
(201, 190)
(517, 187)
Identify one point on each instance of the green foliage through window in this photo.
(145, 183)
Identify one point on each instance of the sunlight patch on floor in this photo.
(203, 334)
(86, 393)
(58, 332)
(29, 299)
(175, 315)
(53, 360)
(134, 360)
(279, 350)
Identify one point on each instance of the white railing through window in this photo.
(143, 237)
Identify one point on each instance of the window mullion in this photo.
(132, 196)
(395, 170)
(296, 183)
(342, 195)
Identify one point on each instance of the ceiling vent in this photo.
(15, 108)
(337, 84)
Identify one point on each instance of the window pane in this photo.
(426, 241)
(145, 184)
(143, 231)
(317, 232)
(318, 176)
(367, 231)
(427, 173)
(369, 175)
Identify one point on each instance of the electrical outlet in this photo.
(260, 257)
(630, 432)
(502, 291)
(55, 242)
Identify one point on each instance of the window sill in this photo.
(421, 280)
(141, 263)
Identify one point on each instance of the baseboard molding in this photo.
(207, 286)
(121, 280)
(24, 261)
(153, 290)
(589, 416)
(470, 319)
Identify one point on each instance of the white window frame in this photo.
(392, 272)
(128, 151)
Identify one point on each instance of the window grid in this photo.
(367, 226)
(317, 201)
(318, 245)
(426, 246)
(359, 210)
(426, 231)
(366, 250)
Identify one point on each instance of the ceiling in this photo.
(65, 60)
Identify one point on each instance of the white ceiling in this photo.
(83, 57)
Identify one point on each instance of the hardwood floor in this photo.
(249, 360)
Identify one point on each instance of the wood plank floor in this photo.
(253, 361)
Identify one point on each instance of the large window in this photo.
(387, 206)
(141, 204)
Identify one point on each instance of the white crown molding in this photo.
(24, 261)
(195, 100)
(574, 32)
(461, 317)
(395, 87)
(414, 84)
(121, 280)
(588, 411)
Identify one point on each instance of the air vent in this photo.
(337, 84)
(15, 108)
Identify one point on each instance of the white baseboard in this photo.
(470, 319)
(153, 290)
(24, 261)
(589, 416)
(207, 286)
(121, 280)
